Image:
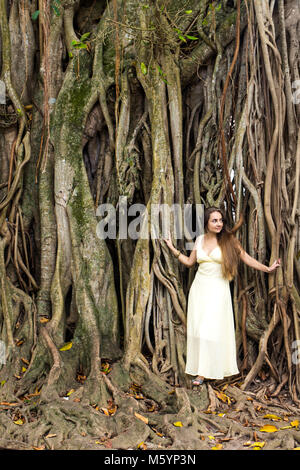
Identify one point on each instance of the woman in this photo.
(211, 350)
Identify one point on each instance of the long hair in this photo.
(228, 243)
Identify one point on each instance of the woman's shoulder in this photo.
(198, 240)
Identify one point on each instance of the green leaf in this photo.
(181, 37)
(192, 38)
(81, 45)
(56, 10)
(84, 36)
(143, 68)
(188, 12)
(35, 15)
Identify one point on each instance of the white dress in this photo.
(211, 349)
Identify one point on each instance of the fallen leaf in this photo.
(272, 417)
(38, 448)
(70, 392)
(7, 403)
(24, 369)
(247, 443)
(268, 428)
(142, 445)
(223, 397)
(142, 418)
(258, 445)
(295, 423)
(19, 422)
(24, 360)
(50, 435)
(66, 346)
(296, 448)
(217, 447)
(44, 319)
(178, 424)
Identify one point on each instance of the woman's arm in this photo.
(188, 261)
(253, 263)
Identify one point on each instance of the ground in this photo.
(151, 416)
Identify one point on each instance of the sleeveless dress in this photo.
(211, 349)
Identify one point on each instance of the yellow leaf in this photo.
(44, 320)
(258, 445)
(105, 411)
(272, 417)
(295, 423)
(246, 444)
(19, 422)
(217, 447)
(66, 346)
(70, 392)
(178, 424)
(268, 428)
(221, 414)
(24, 369)
(142, 418)
(296, 448)
(222, 396)
(142, 445)
(211, 438)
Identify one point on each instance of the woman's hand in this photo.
(169, 241)
(274, 266)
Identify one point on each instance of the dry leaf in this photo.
(295, 423)
(70, 392)
(44, 320)
(178, 424)
(268, 428)
(217, 447)
(142, 445)
(105, 411)
(142, 418)
(50, 435)
(258, 445)
(247, 443)
(19, 422)
(66, 346)
(272, 417)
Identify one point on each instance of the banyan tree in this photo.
(160, 102)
